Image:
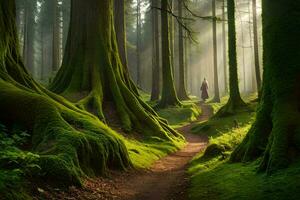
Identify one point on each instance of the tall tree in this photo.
(215, 54)
(66, 151)
(182, 94)
(92, 73)
(235, 101)
(56, 37)
(256, 49)
(169, 95)
(29, 31)
(155, 92)
(275, 133)
(138, 42)
(224, 46)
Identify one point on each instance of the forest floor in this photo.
(166, 179)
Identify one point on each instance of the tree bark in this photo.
(169, 95)
(56, 37)
(215, 54)
(138, 43)
(276, 131)
(225, 64)
(155, 93)
(235, 102)
(256, 49)
(29, 26)
(182, 94)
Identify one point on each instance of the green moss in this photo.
(179, 116)
(226, 181)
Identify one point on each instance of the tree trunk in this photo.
(215, 54)
(155, 53)
(224, 47)
(92, 73)
(171, 32)
(138, 43)
(276, 131)
(256, 49)
(182, 94)
(119, 25)
(56, 37)
(169, 95)
(235, 102)
(71, 143)
(28, 46)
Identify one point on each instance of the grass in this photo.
(214, 178)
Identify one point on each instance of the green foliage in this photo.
(15, 164)
(178, 116)
(214, 178)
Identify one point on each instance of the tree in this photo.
(56, 36)
(224, 46)
(235, 101)
(138, 42)
(275, 133)
(182, 94)
(215, 54)
(92, 73)
(71, 142)
(29, 29)
(256, 52)
(169, 95)
(155, 92)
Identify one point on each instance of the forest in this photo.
(149, 99)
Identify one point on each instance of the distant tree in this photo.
(56, 36)
(235, 101)
(182, 94)
(275, 133)
(155, 92)
(169, 95)
(138, 42)
(215, 54)
(256, 48)
(225, 64)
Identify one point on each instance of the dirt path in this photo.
(165, 180)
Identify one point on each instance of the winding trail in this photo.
(165, 180)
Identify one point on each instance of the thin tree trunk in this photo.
(138, 43)
(256, 50)
(169, 95)
(215, 54)
(155, 53)
(182, 94)
(224, 47)
(56, 40)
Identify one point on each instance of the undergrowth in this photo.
(15, 164)
(214, 177)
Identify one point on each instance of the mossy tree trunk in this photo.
(215, 54)
(138, 42)
(71, 142)
(275, 135)
(155, 92)
(256, 49)
(235, 102)
(182, 94)
(169, 95)
(92, 70)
